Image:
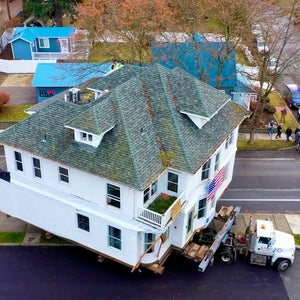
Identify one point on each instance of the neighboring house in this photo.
(89, 173)
(51, 79)
(244, 92)
(207, 58)
(35, 43)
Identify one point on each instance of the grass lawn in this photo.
(161, 204)
(13, 113)
(53, 240)
(297, 239)
(265, 144)
(101, 53)
(289, 121)
(276, 100)
(12, 237)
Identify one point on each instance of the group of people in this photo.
(288, 132)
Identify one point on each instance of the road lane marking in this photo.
(261, 200)
(263, 190)
(274, 158)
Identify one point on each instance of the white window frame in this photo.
(62, 175)
(201, 210)
(86, 136)
(37, 170)
(229, 141)
(19, 162)
(206, 170)
(150, 191)
(112, 238)
(111, 199)
(148, 242)
(173, 182)
(217, 161)
(81, 222)
(46, 43)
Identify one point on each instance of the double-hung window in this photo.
(229, 141)
(217, 160)
(205, 170)
(149, 239)
(44, 43)
(146, 194)
(173, 182)
(37, 167)
(151, 190)
(63, 174)
(18, 159)
(114, 237)
(201, 208)
(83, 222)
(113, 195)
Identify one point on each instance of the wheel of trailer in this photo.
(282, 264)
(226, 255)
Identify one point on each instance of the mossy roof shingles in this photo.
(97, 119)
(116, 78)
(144, 110)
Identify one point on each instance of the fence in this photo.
(20, 66)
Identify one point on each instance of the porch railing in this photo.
(50, 55)
(161, 220)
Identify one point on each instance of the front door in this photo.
(189, 227)
(64, 45)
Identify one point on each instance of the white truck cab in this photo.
(271, 245)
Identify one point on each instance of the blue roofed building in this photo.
(32, 43)
(53, 78)
(209, 59)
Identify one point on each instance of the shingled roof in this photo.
(145, 110)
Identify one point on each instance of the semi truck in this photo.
(261, 244)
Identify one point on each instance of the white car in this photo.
(256, 30)
(272, 65)
(261, 46)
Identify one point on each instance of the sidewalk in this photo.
(283, 222)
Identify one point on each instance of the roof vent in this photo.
(74, 95)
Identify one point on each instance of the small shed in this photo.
(53, 78)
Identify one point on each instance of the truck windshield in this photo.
(264, 240)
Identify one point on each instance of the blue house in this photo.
(211, 61)
(53, 78)
(42, 42)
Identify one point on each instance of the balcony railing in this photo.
(59, 55)
(161, 220)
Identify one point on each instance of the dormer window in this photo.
(86, 137)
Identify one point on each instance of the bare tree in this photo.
(276, 31)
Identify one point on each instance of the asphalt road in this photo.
(265, 181)
(73, 273)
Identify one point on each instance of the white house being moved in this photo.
(139, 168)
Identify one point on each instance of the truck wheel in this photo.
(226, 256)
(282, 264)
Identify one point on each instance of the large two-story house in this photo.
(131, 175)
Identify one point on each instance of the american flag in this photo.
(215, 184)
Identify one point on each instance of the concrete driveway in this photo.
(18, 86)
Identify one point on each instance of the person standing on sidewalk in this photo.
(271, 128)
(283, 114)
(288, 133)
(279, 130)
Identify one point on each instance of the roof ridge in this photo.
(170, 104)
(123, 119)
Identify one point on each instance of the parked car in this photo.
(261, 45)
(271, 65)
(292, 95)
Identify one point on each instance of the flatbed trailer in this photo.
(262, 245)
